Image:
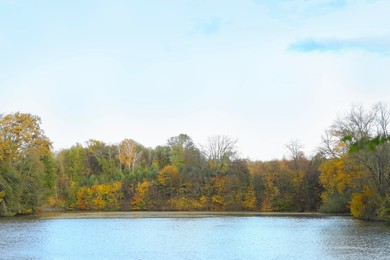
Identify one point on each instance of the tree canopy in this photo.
(350, 172)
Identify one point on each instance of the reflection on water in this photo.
(355, 239)
(261, 237)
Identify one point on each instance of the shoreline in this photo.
(172, 214)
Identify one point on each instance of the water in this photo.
(220, 237)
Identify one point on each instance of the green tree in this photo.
(24, 149)
(182, 150)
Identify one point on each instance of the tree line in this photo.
(349, 173)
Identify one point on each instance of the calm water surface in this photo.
(221, 237)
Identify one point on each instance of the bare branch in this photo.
(219, 151)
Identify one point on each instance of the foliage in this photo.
(361, 203)
(365, 143)
(25, 172)
(351, 172)
(128, 176)
(141, 199)
(335, 202)
(99, 197)
(360, 172)
(129, 154)
(249, 202)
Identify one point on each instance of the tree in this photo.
(20, 132)
(102, 158)
(313, 187)
(128, 154)
(363, 135)
(167, 177)
(366, 133)
(219, 152)
(77, 164)
(23, 151)
(295, 148)
(237, 182)
(182, 150)
(141, 199)
(249, 202)
(161, 156)
(382, 118)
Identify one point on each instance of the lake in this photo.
(192, 236)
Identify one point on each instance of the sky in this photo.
(264, 72)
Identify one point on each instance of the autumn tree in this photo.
(363, 134)
(21, 132)
(167, 177)
(142, 199)
(249, 202)
(237, 183)
(128, 154)
(23, 151)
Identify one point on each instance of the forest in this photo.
(350, 172)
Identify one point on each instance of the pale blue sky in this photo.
(264, 72)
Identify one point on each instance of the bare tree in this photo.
(366, 130)
(329, 144)
(357, 124)
(219, 151)
(295, 148)
(382, 119)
